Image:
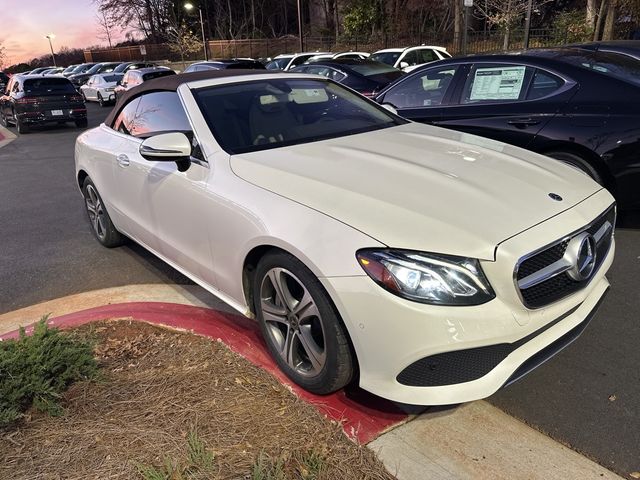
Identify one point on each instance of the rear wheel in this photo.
(577, 162)
(101, 225)
(300, 325)
(82, 123)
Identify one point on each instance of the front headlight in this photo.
(426, 277)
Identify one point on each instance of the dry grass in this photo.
(160, 386)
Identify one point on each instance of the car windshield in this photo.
(369, 69)
(385, 57)
(278, 64)
(263, 114)
(70, 69)
(159, 73)
(48, 86)
(112, 78)
(613, 64)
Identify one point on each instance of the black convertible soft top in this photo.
(170, 83)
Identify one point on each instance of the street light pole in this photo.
(300, 27)
(188, 7)
(49, 37)
(527, 24)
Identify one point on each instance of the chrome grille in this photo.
(542, 277)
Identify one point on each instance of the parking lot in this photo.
(586, 397)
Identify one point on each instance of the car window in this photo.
(126, 118)
(48, 86)
(157, 74)
(385, 57)
(158, 112)
(426, 89)
(427, 55)
(277, 64)
(262, 114)
(328, 72)
(613, 64)
(495, 83)
(411, 58)
(300, 59)
(112, 78)
(543, 84)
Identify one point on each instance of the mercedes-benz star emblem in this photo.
(555, 196)
(581, 252)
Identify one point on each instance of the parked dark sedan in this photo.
(364, 76)
(630, 48)
(79, 79)
(34, 100)
(236, 63)
(578, 106)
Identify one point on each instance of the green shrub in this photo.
(36, 369)
(571, 27)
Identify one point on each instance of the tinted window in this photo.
(495, 83)
(373, 68)
(44, 86)
(278, 64)
(423, 90)
(158, 74)
(427, 55)
(614, 64)
(544, 83)
(300, 59)
(112, 78)
(158, 112)
(411, 58)
(327, 72)
(4, 78)
(262, 114)
(385, 57)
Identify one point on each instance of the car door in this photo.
(174, 202)
(91, 88)
(507, 102)
(422, 96)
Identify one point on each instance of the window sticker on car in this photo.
(308, 95)
(497, 83)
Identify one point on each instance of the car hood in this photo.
(421, 187)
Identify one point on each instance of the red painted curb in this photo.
(2, 137)
(363, 415)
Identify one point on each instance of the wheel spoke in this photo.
(316, 354)
(288, 348)
(91, 208)
(280, 287)
(306, 307)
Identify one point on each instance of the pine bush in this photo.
(35, 370)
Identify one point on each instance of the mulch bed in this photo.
(156, 387)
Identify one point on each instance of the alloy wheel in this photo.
(293, 322)
(96, 212)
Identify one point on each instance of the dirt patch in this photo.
(157, 388)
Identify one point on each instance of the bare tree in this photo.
(106, 26)
(505, 14)
(3, 56)
(183, 41)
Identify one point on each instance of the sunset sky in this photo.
(25, 23)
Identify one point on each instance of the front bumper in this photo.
(390, 334)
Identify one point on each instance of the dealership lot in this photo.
(585, 397)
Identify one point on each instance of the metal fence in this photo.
(477, 42)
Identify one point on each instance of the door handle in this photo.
(123, 160)
(523, 122)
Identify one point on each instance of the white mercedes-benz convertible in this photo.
(430, 266)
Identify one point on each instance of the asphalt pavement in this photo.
(586, 397)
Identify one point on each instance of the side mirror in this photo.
(403, 65)
(168, 147)
(390, 107)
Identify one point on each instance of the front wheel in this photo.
(101, 225)
(3, 119)
(101, 100)
(300, 325)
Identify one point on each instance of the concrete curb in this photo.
(6, 136)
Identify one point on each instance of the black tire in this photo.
(577, 162)
(101, 101)
(82, 123)
(103, 229)
(22, 127)
(3, 120)
(326, 328)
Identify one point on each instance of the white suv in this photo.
(410, 58)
